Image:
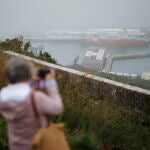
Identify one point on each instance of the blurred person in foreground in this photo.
(16, 107)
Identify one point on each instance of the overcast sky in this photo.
(41, 16)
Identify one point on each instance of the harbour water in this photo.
(65, 52)
(136, 66)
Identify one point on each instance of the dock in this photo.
(110, 59)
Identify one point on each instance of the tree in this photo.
(46, 57)
(14, 44)
(27, 46)
(17, 45)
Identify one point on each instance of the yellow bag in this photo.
(51, 137)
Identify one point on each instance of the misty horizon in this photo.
(42, 16)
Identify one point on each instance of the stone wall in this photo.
(74, 85)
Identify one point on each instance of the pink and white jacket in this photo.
(16, 108)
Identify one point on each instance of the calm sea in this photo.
(65, 52)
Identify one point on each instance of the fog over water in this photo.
(41, 16)
(66, 52)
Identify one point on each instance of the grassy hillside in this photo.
(93, 123)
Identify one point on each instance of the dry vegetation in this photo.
(3, 59)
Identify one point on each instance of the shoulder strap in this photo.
(34, 106)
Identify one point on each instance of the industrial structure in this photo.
(94, 59)
(122, 37)
(146, 75)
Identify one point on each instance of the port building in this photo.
(94, 59)
(146, 75)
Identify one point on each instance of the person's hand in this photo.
(36, 78)
(50, 75)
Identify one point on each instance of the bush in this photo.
(107, 125)
(16, 45)
(3, 135)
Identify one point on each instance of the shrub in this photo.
(3, 135)
(16, 45)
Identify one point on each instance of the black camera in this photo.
(42, 73)
(39, 83)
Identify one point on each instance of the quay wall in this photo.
(47, 40)
(89, 87)
(110, 59)
(128, 56)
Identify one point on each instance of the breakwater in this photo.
(110, 59)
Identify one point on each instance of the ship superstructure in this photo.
(94, 59)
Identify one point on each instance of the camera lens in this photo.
(42, 73)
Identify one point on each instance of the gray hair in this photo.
(17, 70)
